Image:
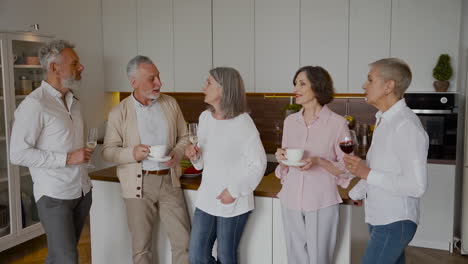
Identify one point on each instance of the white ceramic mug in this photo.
(294, 154)
(158, 151)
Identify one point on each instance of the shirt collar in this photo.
(55, 93)
(138, 104)
(324, 114)
(392, 111)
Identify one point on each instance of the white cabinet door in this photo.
(435, 229)
(421, 31)
(192, 44)
(155, 37)
(256, 242)
(369, 38)
(119, 42)
(324, 38)
(233, 37)
(276, 44)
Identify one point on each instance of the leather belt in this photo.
(157, 172)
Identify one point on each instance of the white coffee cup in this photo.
(158, 151)
(294, 154)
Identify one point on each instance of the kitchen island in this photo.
(262, 241)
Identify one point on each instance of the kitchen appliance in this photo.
(438, 113)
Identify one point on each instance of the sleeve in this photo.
(410, 144)
(182, 137)
(27, 128)
(358, 192)
(255, 158)
(280, 172)
(343, 131)
(113, 150)
(341, 180)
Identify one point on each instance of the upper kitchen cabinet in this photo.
(369, 38)
(276, 44)
(324, 38)
(233, 37)
(421, 31)
(119, 42)
(192, 44)
(155, 37)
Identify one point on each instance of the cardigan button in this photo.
(139, 175)
(137, 195)
(138, 188)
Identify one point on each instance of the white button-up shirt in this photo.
(398, 162)
(43, 133)
(152, 128)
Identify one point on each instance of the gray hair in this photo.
(133, 64)
(51, 52)
(397, 70)
(233, 99)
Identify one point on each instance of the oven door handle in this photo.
(431, 111)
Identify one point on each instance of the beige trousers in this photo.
(159, 196)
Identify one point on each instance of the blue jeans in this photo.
(388, 242)
(206, 229)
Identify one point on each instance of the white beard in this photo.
(152, 97)
(71, 83)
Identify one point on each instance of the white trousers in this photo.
(311, 236)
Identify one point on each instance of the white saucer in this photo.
(159, 159)
(293, 163)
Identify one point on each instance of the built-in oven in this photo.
(438, 113)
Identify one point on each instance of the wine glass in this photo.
(193, 133)
(347, 144)
(91, 142)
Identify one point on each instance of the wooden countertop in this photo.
(268, 187)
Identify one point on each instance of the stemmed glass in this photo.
(347, 144)
(193, 133)
(91, 142)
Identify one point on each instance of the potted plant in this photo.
(291, 108)
(442, 72)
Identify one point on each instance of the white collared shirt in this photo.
(152, 128)
(42, 135)
(398, 162)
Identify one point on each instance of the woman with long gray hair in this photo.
(233, 160)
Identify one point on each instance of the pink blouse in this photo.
(315, 188)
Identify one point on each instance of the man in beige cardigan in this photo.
(150, 187)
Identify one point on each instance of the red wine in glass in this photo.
(347, 146)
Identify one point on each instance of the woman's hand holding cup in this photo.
(280, 155)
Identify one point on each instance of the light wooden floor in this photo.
(35, 252)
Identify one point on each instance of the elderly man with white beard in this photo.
(48, 138)
(150, 185)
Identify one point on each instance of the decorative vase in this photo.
(441, 86)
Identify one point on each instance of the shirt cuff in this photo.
(61, 160)
(375, 178)
(234, 191)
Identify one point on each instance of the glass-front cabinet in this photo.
(20, 74)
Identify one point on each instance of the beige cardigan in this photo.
(122, 136)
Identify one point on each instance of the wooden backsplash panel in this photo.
(267, 112)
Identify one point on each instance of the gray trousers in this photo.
(63, 221)
(310, 236)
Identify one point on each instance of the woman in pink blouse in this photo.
(309, 196)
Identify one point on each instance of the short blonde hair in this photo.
(233, 99)
(396, 70)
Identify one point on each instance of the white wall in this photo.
(461, 216)
(79, 22)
